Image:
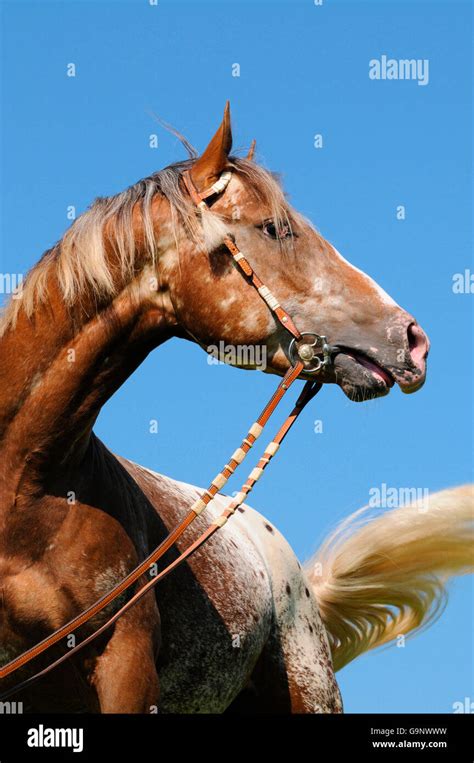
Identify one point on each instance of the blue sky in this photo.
(303, 70)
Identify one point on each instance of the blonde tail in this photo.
(378, 578)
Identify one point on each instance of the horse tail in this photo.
(376, 578)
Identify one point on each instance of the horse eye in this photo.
(269, 228)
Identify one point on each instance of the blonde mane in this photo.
(79, 258)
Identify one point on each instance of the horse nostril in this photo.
(418, 344)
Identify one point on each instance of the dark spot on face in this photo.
(220, 261)
(240, 509)
(306, 592)
(288, 589)
(268, 527)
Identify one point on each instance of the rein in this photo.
(304, 353)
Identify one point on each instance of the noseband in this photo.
(308, 353)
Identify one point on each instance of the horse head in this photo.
(375, 342)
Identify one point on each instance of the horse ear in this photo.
(207, 168)
(251, 152)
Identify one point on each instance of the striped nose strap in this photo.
(239, 258)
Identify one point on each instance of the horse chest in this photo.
(29, 597)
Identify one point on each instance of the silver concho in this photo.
(312, 350)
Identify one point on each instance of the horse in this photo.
(242, 626)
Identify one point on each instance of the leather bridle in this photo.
(308, 352)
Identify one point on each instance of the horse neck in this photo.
(57, 371)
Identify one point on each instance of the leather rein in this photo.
(305, 351)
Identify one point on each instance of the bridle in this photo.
(303, 346)
(308, 352)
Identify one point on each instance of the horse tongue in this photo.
(352, 363)
(376, 371)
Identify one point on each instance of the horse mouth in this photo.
(360, 377)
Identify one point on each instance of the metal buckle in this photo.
(308, 350)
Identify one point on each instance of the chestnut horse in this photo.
(241, 626)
